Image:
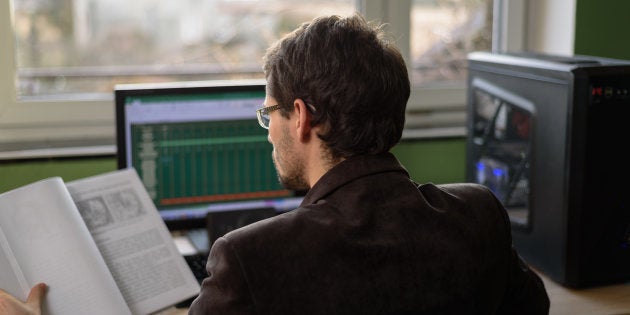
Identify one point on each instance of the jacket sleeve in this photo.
(225, 290)
(521, 291)
(525, 292)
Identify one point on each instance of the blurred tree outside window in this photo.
(87, 46)
(442, 33)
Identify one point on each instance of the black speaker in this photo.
(547, 134)
(218, 223)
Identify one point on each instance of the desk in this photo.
(604, 300)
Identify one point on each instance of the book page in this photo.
(11, 276)
(133, 239)
(44, 239)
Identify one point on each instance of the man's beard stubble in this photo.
(289, 168)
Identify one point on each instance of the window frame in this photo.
(44, 127)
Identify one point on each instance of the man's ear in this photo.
(303, 121)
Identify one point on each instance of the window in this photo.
(442, 33)
(86, 46)
(65, 56)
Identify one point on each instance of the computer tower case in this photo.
(547, 134)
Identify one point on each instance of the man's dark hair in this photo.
(355, 80)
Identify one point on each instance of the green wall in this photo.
(18, 173)
(601, 28)
(437, 161)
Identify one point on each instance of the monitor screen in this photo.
(198, 147)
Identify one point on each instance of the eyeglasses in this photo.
(263, 114)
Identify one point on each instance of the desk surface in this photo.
(604, 300)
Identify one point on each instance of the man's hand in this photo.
(9, 305)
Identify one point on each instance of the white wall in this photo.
(551, 26)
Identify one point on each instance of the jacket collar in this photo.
(349, 170)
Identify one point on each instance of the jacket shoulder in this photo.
(467, 190)
(474, 201)
(462, 193)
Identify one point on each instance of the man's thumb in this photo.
(36, 296)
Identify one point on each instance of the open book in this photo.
(99, 243)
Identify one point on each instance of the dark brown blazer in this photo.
(367, 240)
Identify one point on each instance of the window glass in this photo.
(442, 33)
(87, 46)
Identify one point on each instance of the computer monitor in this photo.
(198, 148)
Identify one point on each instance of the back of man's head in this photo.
(354, 78)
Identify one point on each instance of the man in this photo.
(366, 239)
